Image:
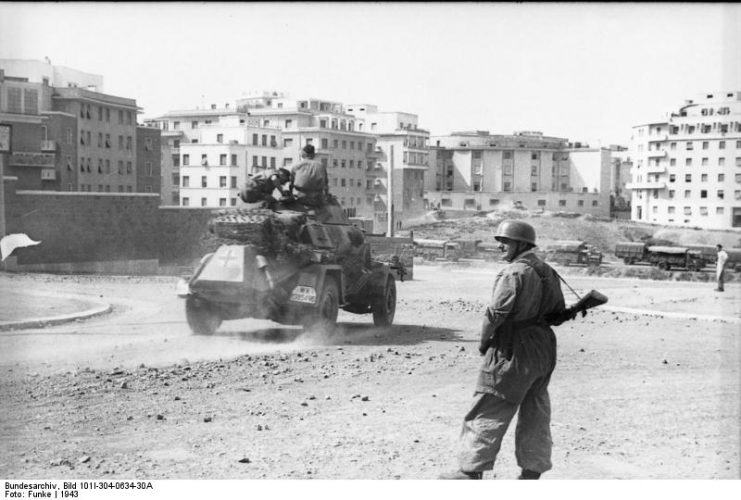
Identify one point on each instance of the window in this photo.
(689, 146)
(325, 143)
(672, 162)
(334, 181)
(204, 182)
(264, 139)
(234, 161)
(671, 210)
(580, 203)
(687, 210)
(344, 144)
(120, 167)
(186, 181)
(186, 160)
(687, 177)
(222, 181)
(507, 155)
(287, 161)
(264, 162)
(222, 202)
(671, 193)
(703, 193)
(148, 168)
(220, 138)
(204, 160)
(738, 161)
(342, 163)
(203, 202)
(342, 182)
(194, 124)
(720, 194)
(721, 162)
(120, 143)
(561, 203)
(719, 210)
(687, 193)
(595, 203)
(721, 144)
(222, 160)
(688, 162)
(705, 144)
(721, 177)
(704, 178)
(128, 167)
(186, 201)
(672, 177)
(254, 139)
(289, 123)
(255, 162)
(507, 186)
(673, 146)
(704, 162)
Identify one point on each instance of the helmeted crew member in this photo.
(260, 187)
(517, 365)
(310, 179)
(720, 266)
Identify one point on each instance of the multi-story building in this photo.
(208, 153)
(68, 137)
(620, 177)
(687, 168)
(403, 151)
(478, 171)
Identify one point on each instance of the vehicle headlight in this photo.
(182, 288)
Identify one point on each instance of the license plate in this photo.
(304, 294)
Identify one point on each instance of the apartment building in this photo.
(68, 137)
(687, 167)
(208, 153)
(479, 171)
(401, 161)
(341, 145)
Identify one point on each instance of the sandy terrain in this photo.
(133, 394)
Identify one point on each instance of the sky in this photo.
(587, 72)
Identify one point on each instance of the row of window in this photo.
(204, 181)
(705, 128)
(23, 101)
(104, 166)
(106, 188)
(703, 178)
(446, 202)
(104, 114)
(104, 141)
(704, 162)
(688, 210)
(720, 194)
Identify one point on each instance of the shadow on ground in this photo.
(348, 334)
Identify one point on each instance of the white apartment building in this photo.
(403, 151)
(208, 153)
(54, 76)
(687, 168)
(479, 171)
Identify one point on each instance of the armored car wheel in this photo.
(324, 317)
(385, 307)
(202, 318)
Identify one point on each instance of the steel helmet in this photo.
(515, 230)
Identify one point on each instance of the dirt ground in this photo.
(133, 394)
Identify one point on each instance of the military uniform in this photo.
(516, 370)
(310, 182)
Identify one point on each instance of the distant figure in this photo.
(310, 180)
(720, 266)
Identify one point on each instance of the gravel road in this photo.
(133, 394)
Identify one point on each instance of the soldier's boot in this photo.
(528, 474)
(461, 474)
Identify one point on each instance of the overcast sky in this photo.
(585, 72)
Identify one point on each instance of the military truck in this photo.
(286, 266)
(631, 252)
(666, 258)
(437, 249)
(568, 252)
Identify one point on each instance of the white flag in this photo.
(13, 241)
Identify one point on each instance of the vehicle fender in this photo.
(316, 274)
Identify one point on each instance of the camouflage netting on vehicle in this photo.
(271, 232)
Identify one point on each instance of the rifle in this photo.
(590, 300)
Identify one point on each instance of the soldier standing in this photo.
(720, 266)
(519, 350)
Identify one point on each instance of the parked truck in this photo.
(568, 252)
(437, 249)
(631, 252)
(666, 258)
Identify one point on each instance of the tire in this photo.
(324, 317)
(663, 265)
(385, 309)
(626, 261)
(202, 318)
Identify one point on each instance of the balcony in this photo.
(656, 169)
(657, 153)
(646, 185)
(48, 146)
(659, 138)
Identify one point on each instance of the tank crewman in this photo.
(720, 267)
(261, 187)
(310, 180)
(519, 351)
